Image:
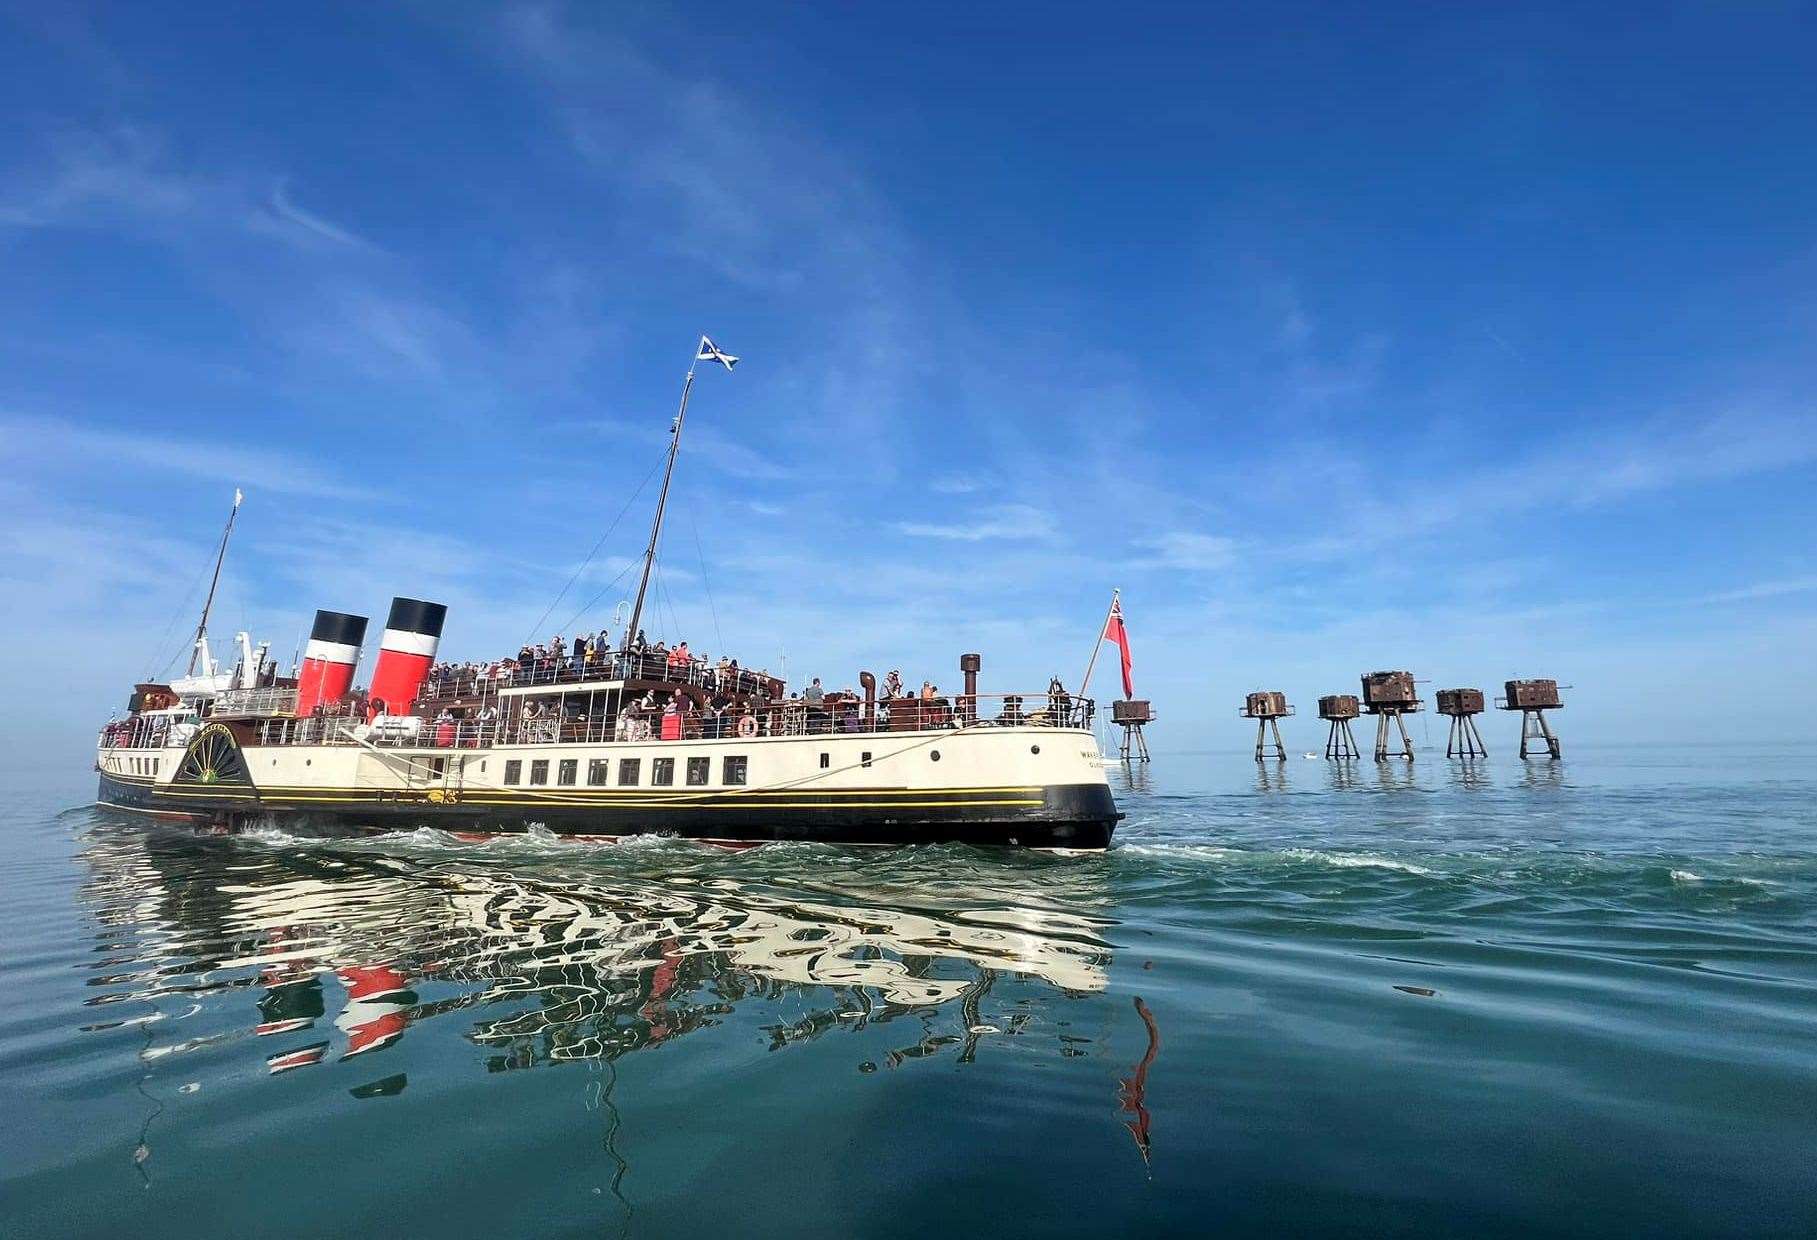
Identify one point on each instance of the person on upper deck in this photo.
(892, 684)
(927, 691)
(815, 697)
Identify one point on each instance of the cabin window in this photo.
(437, 767)
(514, 771)
(539, 771)
(565, 773)
(826, 760)
(734, 771)
(627, 772)
(662, 772)
(700, 771)
(864, 759)
(596, 770)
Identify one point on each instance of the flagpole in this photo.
(1098, 645)
(662, 501)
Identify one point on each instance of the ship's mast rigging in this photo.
(195, 647)
(706, 352)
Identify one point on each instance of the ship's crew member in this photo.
(815, 699)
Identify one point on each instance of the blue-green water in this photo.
(1515, 999)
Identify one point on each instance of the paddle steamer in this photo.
(603, 743)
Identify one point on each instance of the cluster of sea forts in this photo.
(1390, 697)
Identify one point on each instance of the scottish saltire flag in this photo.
(710, 352)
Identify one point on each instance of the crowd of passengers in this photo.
(592, 656)
(676, 715)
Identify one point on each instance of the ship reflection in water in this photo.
(556, 954)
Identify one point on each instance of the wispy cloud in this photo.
(1006, 521)
(285, 209)
(707, 445)
(1763, 590)
(58, 443)
(129, 173)
(1590, 470)
(385, 333)
(1186, 550)
(88, 172)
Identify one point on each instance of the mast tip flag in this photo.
(710, 352)
(1115, 631)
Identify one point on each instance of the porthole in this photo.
(1034, 749)
(934, 754)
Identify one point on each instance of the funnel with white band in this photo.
(412, 632)
(329, 659)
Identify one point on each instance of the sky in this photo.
(1475, 342)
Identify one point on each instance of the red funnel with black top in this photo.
(329, 659)
(413, 630)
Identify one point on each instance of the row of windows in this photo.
(142, 766)
(732, 773)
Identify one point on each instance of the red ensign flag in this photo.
(1114, 631)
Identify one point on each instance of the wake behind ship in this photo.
(598, 738)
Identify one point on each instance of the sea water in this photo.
(1495, 998)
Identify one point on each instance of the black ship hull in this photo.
(1070, 816)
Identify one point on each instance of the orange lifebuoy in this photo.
(747, 727)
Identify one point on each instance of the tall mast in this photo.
(662, 502)
(195, 647)
(1085, 680)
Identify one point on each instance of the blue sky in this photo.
(1338, 338)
